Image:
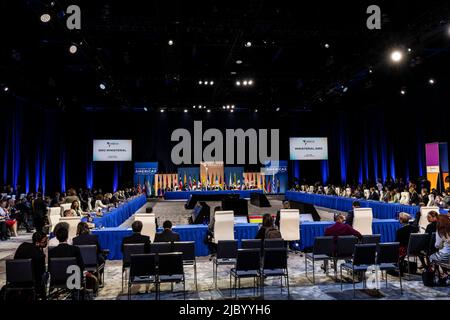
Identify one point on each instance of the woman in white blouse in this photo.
(99, 204)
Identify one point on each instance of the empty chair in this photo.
(170, 269)
(248, 265)
(142, 271)
(363, 257)
(362, 220)
(345, 246)
(388, 259)
(223, 226)
(128, 250)
(290, 224)
(187, 248)
(226, 255)
(73, 223)
(417, 245)
(373, 238)
(148, 224)
(63, 207)
(160, 247)
(20, 276)
(423, 221)
(57, 268)
(274, 243)
(90, 260)
(275, 265)
(251, 244)
(322, 251)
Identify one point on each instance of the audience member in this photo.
(136, 237)
(167, 235)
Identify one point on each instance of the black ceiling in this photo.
(125, 45)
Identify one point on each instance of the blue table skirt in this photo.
(184, 195)
(381, 210)
(309, 230)
(117, 216)
(111, 238)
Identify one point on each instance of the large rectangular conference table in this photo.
(117, 216)
(381, 210)
(185, 195)
(111, 238)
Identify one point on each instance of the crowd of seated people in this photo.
(29, 211)
(391, 191)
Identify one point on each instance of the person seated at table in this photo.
(351, 214)
(65, 250)
(339, 228)
(69, 213)
(404, 233)
(167, 235)
(98, 206)
(137, 237)
(84, 237)
(374, 195)
(77, 209)
(71, 197)
(267, 224)
(35, 252)
(443, 244)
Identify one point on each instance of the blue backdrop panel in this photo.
(144, 174)
(277, 173)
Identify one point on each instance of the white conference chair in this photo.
(348, 192)
(366, 193)
(404, 199)
(223, 226)
(290, 224)
(338, 191)
(64, 207)
(73, 223)
(362, 220)
(89, 204)
(326, 189)
(431, 201)
(423, 221)
(311, 189)
(54, 215)
(148, 224)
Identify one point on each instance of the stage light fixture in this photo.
(238, 83)
(396, 56)
(208, 110)
(431, 81)
(327, 46)
(403, 92)
(231, 110)
(170, 42)
(145, 109)
(228, 106)
(250, 82)
(256, 110)
(370, 70)
(238, 61)
(205, 83)
(73, 49)
(185, 110)
(344, 89)
(245, 82)
(409, 50)
(45, 17)
(277, 109)
(162, 110)
(232, 107)
(102, 86)
(6, 89)
(200, 82)
(211, 83)
(223, 107)
(248, 44)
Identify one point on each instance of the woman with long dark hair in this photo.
(443, 244)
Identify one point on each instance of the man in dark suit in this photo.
(351, 213)
(136, 237)
(34, 251)
(167, 235)
(65, 250)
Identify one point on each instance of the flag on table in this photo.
(190, 182)
(180, 185)
(234, 178)
(230, 183)
(278, 185)
(184, 181)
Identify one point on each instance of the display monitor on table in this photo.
(308, 148)
(112, 150)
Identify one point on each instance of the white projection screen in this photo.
(308, 148)
(112, 150)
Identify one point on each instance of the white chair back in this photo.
(89, 204)
(404, 199)
(362, 220)
(325, 189)
(431, 200)
(366, 193)
(423, 221)
(73, 223)
(64, 207)
(348, 192)
(290, 224)
(223, 225)
(148, 224)
(338, 191)
(311, 189)
(54, 215)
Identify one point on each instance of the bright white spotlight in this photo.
(409, 50)
(199, 106)
(327, 46)
(211, 83)
(223, 107)
(277, 109)
(102, 86)
(256, 110)
(45, 17)
(402, 92)
(208, 110)
(245, 82)
(232, 107)
(238, 61)
(228, 106)
(73, 49)
(200, 82)
(248, 44)
(6, 89)
(185, 110)
(145, 109)
(162, 110)
(345, 89)
(431, 81)
(396, 56)
(238, 83)
(170, 42)
(231, 110)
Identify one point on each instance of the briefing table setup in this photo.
(185, 195)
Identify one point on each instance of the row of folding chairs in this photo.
(185, 248)
(20, 272)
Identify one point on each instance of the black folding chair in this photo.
(161, 247)
(128, 250)
(226, 255)
(274, 243)
(372, 238)
(248, 265)
(363, 257)
(432, 244)
(322, 251)
(170, 269)
(275, 265)
(142, 271)
(345, 247)
(20, 276)
(417, 245)
(90, 260)
(187, 248)
(57, 268)
(388, 259)
(251, 244)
